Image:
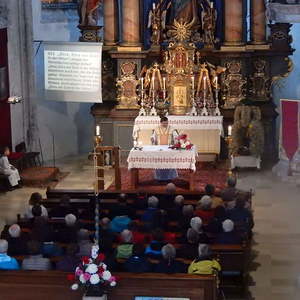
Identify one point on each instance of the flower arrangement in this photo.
(92, 274)
(182, 143)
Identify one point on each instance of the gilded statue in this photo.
(88, 12)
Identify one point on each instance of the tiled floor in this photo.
(276, 271)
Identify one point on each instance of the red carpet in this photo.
(42, 177)
(204, 174)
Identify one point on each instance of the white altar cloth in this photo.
(162, 157)
(245, 162)
(203, 131)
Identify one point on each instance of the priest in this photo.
(164, 134)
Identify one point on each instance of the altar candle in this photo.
(216, 80)
(97, 130)
(152, 81)
(154, 6)
(211, 5)
(164, 83)
(193, 82)
(142, 83)
(229, 130)
(204, 84)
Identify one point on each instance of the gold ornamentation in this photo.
(181, 31)
(127, 85)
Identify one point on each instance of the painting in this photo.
(59, 4)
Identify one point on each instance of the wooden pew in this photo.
(31, 285)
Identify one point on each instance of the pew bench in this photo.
(31, 285)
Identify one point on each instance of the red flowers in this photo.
(85, 260)
(101, 257)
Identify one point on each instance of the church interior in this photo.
(149, 149)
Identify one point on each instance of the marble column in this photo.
(233, 23)
(258, 22)
(131, 23)
(110, 22)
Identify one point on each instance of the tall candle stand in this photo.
(217, 109)
(142, 111)
(153, 111)
(204, 111)
(193, 111)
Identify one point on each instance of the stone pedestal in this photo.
(89, 33)
(110, 23)
(233, 23)
(131, 23)
(258, 22)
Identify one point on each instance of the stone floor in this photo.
(276, 246)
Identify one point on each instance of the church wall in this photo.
(69, 124)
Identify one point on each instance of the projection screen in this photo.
(73, 71)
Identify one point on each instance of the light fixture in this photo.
(14, 99)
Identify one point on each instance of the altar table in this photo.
(161, 157)
(203, 131)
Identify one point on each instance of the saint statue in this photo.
(88, 12)
(164, 135)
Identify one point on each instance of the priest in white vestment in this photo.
(164, 135)
(7, 169)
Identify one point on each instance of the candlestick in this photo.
(193, 82)
(164, 83)
(152, 82)
(97, 130)
(142, 83)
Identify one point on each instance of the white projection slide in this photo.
(73, 72)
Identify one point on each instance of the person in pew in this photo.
(70, 260)
(124, 250)
(84, 242)
(139, 237)
(167, 199)
(196, 224)
(153, 250)
(230, 192)
(105, 247)
(35, 200)
(44, 233)
(241, 216)
(68, 233)
(140, 201)
(151, 212)
(17, 241)
(215, 225)
(35, 261)
(89, 212)
(187, 215)
(7, 262)
(8, 222)
(175, 212)
(105, 232)
(63, 208)
(210, 191)
(168, 263)
(9, 170)
(204, 264)
(122, 208)
(119, 223)
(228, 236)
(189, 250)
(138, 262)
(204, 209)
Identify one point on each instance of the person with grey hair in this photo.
(187, 215)
(124, 250)
(168, 263)
(16, 241)
(204, 264)
(84, 242)
(228, 235)
(204, 209)
(230, 192)
(68, 233)
(149, 214)
(189, 249)
(196, 225)
(175, 213)
(7, 262)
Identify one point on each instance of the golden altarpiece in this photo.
(199, 63)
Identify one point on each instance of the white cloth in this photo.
(7, 169)
(162, 157)
(158, 131)
(29, 215)
(245, 162)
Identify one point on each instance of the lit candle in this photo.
(216, 80)
(142, 83)
(193, 82)
(154, 6)
(152, 81)
(97, 130)
(204, 84)
(164, 83)
(229, 130)
(211, 5)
